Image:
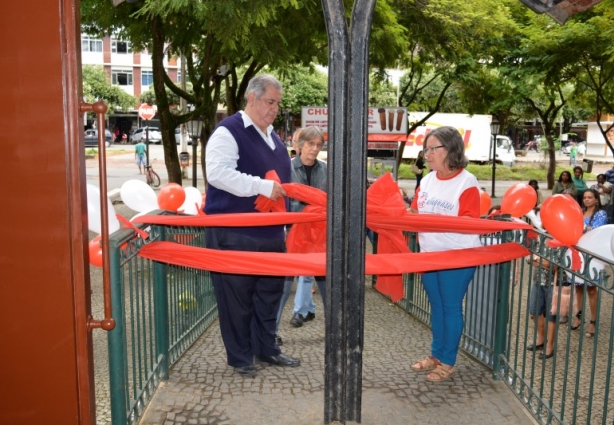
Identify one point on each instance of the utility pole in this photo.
(183, 106)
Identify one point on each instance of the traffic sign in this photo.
(146, 111)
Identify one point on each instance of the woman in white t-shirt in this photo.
(448, 190)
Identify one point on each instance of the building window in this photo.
(90, 44)
(121, 78)
(119, 46)
(146, 78)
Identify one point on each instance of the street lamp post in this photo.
(494, 129)
(195, 128)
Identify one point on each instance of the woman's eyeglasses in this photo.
(432, 150)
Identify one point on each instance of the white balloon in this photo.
(94, 211)
(599, 241)
(193, 197)
(535, 219)
(137, 195)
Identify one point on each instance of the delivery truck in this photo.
(475, 130)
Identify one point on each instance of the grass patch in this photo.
(94, 151)
(484, 172)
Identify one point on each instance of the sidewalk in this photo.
(203, 390)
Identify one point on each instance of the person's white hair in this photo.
(259, 84)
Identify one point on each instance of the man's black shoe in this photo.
(279, 360)
(246, 370)
(278, 340)
(310, 316)
(297, 320)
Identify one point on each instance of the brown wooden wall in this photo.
(45, 352)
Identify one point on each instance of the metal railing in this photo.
(571, 387)
(159, 311)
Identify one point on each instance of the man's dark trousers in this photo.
(247, 304)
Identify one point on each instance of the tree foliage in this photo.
(96, 86)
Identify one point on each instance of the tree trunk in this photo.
(167, 124)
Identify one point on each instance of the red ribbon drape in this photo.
(306, 242)
(576, 262)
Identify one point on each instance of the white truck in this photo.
(475, 130)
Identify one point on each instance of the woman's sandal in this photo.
(591, 334)
(441, 373)
(428, 363)
(579, 316)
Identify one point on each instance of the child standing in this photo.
(540, 302)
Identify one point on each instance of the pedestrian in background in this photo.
(449, 190)
(139, 155)
(241, 150)
(604, 188)
(578, 181)
(594, 216)
(419, 168)
(309, 170)
(564, 185)
(573, 154)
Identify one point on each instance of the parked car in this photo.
(91, 137)
(154, 135)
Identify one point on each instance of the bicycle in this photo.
(153, 179)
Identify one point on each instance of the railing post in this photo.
(116, 341)
(500, 343)
(161, 316)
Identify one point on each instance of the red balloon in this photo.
(95, 249)
(562, 218)
(171, 197)
(518, 200)
(485, 202)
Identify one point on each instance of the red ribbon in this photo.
(264, 204)
(129, 225)
(576, 262)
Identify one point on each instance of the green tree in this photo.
(303, 86)
(226, 42)
(97, 86)
(586, 38)
(446, 44)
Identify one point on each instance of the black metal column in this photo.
(347, 132)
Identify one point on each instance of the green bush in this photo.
(484, 172)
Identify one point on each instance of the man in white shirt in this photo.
(241, 150)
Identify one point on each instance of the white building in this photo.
(130, 70)
(595, 144)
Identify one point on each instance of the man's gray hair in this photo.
(260, 83)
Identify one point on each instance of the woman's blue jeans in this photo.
(446, 290)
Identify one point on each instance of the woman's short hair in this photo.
(578, 168)
(309, 133)
(534, 182)
(451, 139)
(259, 84)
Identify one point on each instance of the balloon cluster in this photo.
(140, 197)
(94, 220)
(561, 216)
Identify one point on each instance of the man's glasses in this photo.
(432, 150)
